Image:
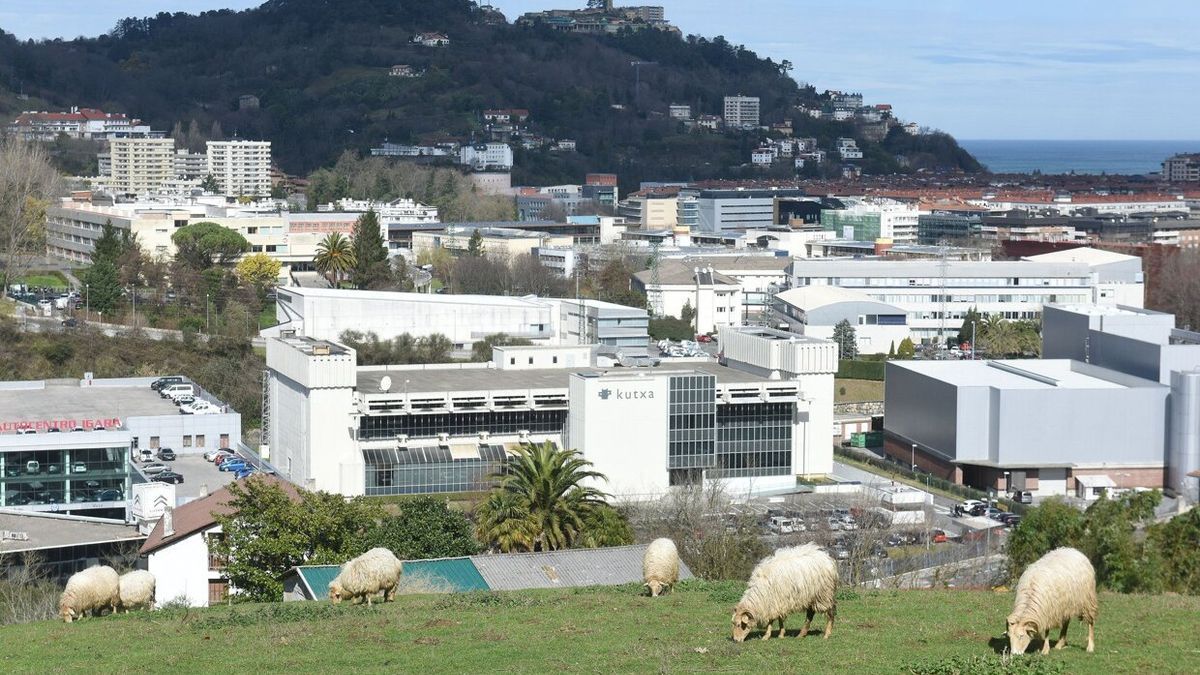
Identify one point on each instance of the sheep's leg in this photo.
(807, 623)
(770, 627)
(1045, 641)
(782, 632)
(1062, 636)
(369, 599)
(1091, 636)
(829, 625)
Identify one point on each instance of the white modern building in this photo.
(325, 313)
(937, 294)
(241, 168)
(741, 112)
(871, 219)
(720, 210)
(816, 310)
(754, 424)
(487, 156)
(140, 165)
(715, 298)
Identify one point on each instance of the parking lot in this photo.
(197, 474)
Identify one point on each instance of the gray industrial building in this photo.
(1114, 403)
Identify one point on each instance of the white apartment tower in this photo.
(241, 168)
(141, 165)
(741, 112)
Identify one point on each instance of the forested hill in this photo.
(320, 71)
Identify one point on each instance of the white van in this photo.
(176, 390)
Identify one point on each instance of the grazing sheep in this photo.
(1060, 585)
(90, 591)
(374, 571)
(660, 566)
(790, 580)
(137, 590)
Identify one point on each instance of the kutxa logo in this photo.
(618, 394)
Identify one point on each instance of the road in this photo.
(942, 505)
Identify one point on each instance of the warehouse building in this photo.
(1048, 426)
(754, 423)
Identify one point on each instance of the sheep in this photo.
(660, 566)
(1060, 585)
(91, 590)
(790, 580)
(374, 571)
(137, 590)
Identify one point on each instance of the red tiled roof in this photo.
(199, 515)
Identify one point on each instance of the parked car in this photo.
(70, 323)
(243, 473)
(154, 469)
(967, 507)
(703, 338)
(1006, 517)
(232, 465)
(108, 496)
(222, 458)
(161, 382)
(212, 455)
(993, 513)
(169, 477)
(184, 400)
(145, 455)
(1013, 521)
(166, 454)
(1022, 496)
(79, 467)
(938, 536)
(199, 407)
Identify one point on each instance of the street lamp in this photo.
(87, 302)
(207, 330)
(914, 458)
(973, 324)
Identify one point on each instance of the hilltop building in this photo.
(741, 112)
(241, 168)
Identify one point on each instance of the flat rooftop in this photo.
(492, 379)
(62, 401)
(1024, 374)
(42, 530)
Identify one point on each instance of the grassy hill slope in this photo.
(595, 630)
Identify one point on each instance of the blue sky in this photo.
(1020, 69)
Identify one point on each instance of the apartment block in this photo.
(241, 168)
(140, 165)
(741, 112)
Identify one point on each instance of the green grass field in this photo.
(592, 630)
(45, 279)
(857, 390)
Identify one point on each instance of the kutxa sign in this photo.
(62, 425)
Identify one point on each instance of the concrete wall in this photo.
(181, 571)
(170, 431)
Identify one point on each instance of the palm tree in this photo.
(335, 257)
(540, 503)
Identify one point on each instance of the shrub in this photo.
(987, 665)
(860, 370)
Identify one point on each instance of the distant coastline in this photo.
(1081, 157)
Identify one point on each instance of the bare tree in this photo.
(27, 185)
(26, 593)
(1179, 289)
(714, 539)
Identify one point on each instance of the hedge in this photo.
(860, 370)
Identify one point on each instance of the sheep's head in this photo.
(1020, 633)
(743, 623)
(655, 587)
(66, 613)
(335, 592)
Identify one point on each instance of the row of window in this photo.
(460, 424)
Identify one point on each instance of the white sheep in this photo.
(370, 573)
(790, 580)
(1060, 585)
(660, 566)
(137, 590)
(91, 590)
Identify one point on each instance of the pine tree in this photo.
(892, 350)
(103, 286)
(906, 350)
(370, 252)
(475, 246)
(847, 341)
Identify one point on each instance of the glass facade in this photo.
(753, 439)
(462, 424)
(692, 422)
(402, 471)
(63, 476)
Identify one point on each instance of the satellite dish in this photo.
(385, 383)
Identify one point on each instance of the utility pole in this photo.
(637, 80)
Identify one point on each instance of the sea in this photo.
(1089, 157)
